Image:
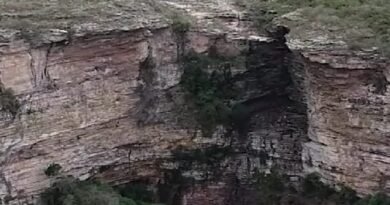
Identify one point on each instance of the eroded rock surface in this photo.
(348, 107)
(106, 103)
(102, 99)
(348, 101)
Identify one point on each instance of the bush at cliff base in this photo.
(275, 189)
(69, 191)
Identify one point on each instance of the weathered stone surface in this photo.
(223, 193)
(77, 117)
(348, 101)
(102, 100)
(105, 103)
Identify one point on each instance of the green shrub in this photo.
(209, 84)
(271, 187)
(8, 102)
(69, 191)
(274, 187)
(346, 196)
(126, 201)
(313, 187)
(136, 191)
(53, 169)
(180, 24)
(377, 199)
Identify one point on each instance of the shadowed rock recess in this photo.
(103, 99)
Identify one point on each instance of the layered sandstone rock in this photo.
(347, 96)
(348, 101)
(102, 99)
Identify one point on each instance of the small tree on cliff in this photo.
(8, 102)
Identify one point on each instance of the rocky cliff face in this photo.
(107, 103)
(348, 102)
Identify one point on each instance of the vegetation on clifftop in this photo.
(361, 23)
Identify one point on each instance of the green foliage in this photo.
(377, 199)
(312, 187)
(126, 201)
(180, 24)
(53, 169)
(209, 83)
(138, 192)
(69, 191)
(271, 187)
(8, 102)
(362, 23)
(274, 187)
(346, 196)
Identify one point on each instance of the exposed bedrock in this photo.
(349, 129)
(109, 105)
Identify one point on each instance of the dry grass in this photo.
(361, 23)
(34, 17)
(19, 13)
